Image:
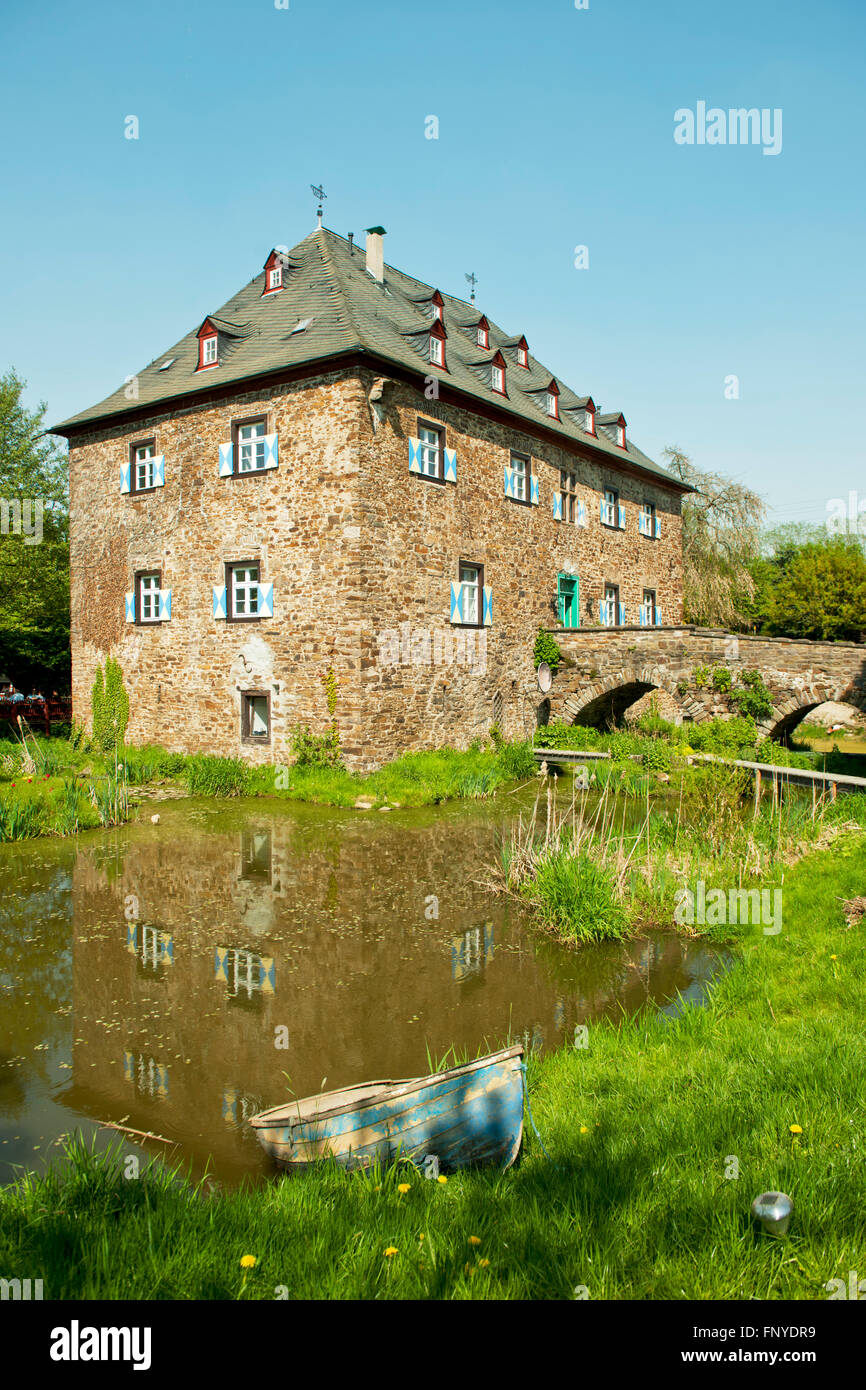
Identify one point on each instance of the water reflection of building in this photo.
(176, 1013)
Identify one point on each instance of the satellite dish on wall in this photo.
(545, 679)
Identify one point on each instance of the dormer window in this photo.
(522, 355)
(589, 420)
(620, 435)
(275, 278)
(497, 374)
(208, 351)
(552, 401)
(437, 352)
(274, 267)
(482, 334)
(437, 311)
(437, 304)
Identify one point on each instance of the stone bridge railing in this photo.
(607, 669)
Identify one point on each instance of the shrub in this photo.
(728, 737)
(207, 775)
(546, 649)
(316, 750)
(109, 705)
(577, 897)
(516, 760)
(752, 698)
(658, 757)
(722, 681)
(700, 677)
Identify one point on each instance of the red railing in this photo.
(42, 713)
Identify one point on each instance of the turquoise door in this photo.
(567, 600)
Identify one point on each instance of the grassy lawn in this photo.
(645, 1128)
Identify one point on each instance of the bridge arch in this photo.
(788, 713)
(607, 699)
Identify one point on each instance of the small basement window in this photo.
(255, 717)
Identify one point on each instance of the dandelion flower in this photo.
(391, 1250)
(247, 1261)
(483, 1264)
(584, 1129)
(403, 1187)
(441, 1178)
(796, 1129)
(474, 1240)
(834, 957)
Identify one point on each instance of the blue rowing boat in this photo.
(469, 1115)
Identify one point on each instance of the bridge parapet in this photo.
(607, 669)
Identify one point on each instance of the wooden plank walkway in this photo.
(792, 776)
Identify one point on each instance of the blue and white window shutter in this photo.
(658, 617)
(130, 607)
(658, 528)
(581, 513)
(601, 509)
(159, 470)
(557, 507)
(272, 452)
(602, 612)
(414, 455)
(456, 608)
(487, 607)
(266, 600)
(219, 601)
(621, 514)
(533, 490)
(227, 462)
(165, 605)
(509, 481)
(125, 470)
(449, 460)
(622, 615)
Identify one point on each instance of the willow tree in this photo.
(721, 540)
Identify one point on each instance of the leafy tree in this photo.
(34, 544)
(820, 592)
(721, 529)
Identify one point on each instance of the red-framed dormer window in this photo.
(273, 273)
(497, 374)
(482, 333)
(523, 353)
(589, 418)
(552, 401)
(620, 432)
(437, 303)
(437, 345)
(208, 346)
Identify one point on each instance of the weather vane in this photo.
(321, 195)
(472, 281)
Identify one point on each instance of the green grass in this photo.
(644, 1128)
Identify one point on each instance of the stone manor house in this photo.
(346, 470)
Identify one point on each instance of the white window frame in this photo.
(552, 405)
(437, 312)
(437, 353)
(251, 715)
(620, 436)
(209, 352)
(522, 357)
(430, 451)
(611, 502)
(482, 337)
(275, 277)
(470, 592)
(497, 378)
(589, 421)
(649, 609)
(251, 446)
(568, 494)
(648, 516)
(245, 591)
(148, 598)
(520, 473)
(611, 600)
(144, 463)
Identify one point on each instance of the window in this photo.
(568, 494)
(255, 717)
(430, 451)
(147, 596)
(520, 478)
(437, 351)
(275, 277)
(250, 446)
(611, 605)
(648, 608)
(143, 471)
(647, 521)
(471, 584)
(242, 592)
(209, 351)
(609, 506)
(589, 421)
(482, 336)
(553, 405)
(522, 356)
(620, 435)
(498, 380)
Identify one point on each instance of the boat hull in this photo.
(466, 1116)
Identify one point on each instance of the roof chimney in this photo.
(376, 253)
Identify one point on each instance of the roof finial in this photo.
(472, 281)
(320, 194)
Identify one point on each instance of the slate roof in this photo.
(349, 311)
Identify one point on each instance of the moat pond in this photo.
(175, 978)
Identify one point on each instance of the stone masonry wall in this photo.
(300, 523)
(415, 533)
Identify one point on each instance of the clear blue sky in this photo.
(555, 130)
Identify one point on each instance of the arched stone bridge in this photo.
(607, 669)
